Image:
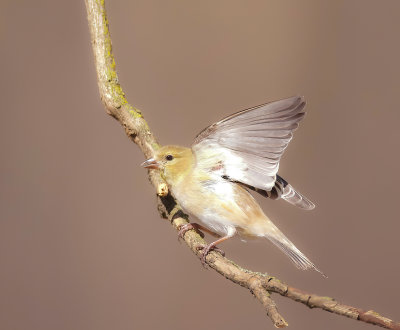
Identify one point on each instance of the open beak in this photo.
(151, 163)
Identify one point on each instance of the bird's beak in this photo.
(150, 163)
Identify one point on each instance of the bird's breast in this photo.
(221, 205)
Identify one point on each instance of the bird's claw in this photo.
(186, 227)
(206, 250)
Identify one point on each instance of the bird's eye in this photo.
(169, 157)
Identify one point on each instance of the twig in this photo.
(260, 285)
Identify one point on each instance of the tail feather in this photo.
(282, 242)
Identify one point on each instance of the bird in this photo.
(213, 178)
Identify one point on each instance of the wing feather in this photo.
(247, 146)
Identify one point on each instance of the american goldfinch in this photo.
(211, 180)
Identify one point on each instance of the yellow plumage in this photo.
(210, 179)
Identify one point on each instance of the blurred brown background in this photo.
(81, 242)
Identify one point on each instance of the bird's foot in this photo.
(186, 227)
(206, 250)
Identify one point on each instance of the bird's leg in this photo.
(195, 226)
(212, 246)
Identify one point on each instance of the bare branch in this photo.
(260, 285)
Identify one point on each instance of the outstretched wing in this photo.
(282, 189)
(247, 146)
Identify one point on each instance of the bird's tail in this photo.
(281, 241)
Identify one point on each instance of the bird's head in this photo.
(173, 162)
